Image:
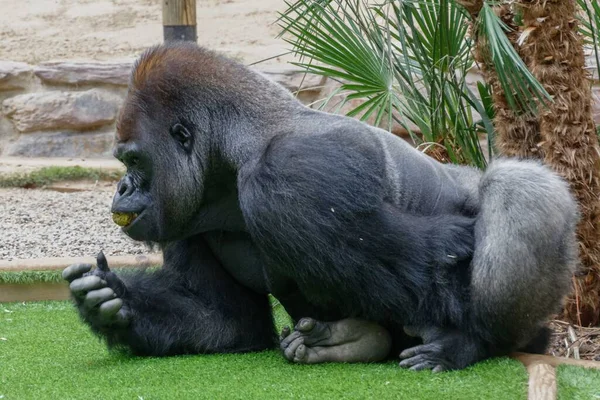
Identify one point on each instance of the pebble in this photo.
(45, 223)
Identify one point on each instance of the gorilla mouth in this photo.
(124, 219)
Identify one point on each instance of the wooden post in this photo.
(179, 20)
(542, 382)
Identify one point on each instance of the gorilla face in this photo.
(159, 197)
(170, 135)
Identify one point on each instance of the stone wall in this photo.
(65, 109)
(68, 109)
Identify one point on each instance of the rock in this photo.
(293, 79)
(62, 145)
(14, 75)
(61, 110)
(117, 73)
(79, 73)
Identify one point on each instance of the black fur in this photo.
(191, 305)
(335, 218)
(349, 248)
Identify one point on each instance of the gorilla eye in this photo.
(182, 135)
(134, 161)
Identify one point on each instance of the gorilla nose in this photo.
(128, 199)
(125, 188)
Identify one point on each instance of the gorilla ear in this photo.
(183, 136)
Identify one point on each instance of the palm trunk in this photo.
(564, 135)
(517, 134)
(554, 54)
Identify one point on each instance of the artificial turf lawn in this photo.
(46, 353)
(48, 175)
(578, 383)
(53, 276)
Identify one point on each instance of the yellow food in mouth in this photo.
(123, 219)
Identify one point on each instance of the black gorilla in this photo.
(248, 193)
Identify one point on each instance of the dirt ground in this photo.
(577, 342)
(41, 30)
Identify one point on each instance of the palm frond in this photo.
(590, 26)
(321, 33)
(407, 61)
(518, 83)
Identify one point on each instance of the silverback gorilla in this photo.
(373, 248)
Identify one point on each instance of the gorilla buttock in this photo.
(373, 248)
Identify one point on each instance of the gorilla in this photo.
(373, 248)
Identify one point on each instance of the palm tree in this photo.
(408, 62)
(569, 141)
(563, 134)
(517, 131)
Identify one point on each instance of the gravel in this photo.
(45, 223)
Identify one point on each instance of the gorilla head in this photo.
(190, 120)
(167, 137)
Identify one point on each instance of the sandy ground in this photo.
(50, 224)
(41, 30)
(46, 223)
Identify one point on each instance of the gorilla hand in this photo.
(98, 294)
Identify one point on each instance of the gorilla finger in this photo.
(123, 317)
(422, 366)
(95, 297)
(110, 308)
(424, 348)
(75, 271)
(300, 356)
(285, 332)
(439, 368)
(101, 262)
(290, 351)
(83, 285)
(289, 339)
(306, 325)
(412, 361)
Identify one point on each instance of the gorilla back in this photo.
(338, 220)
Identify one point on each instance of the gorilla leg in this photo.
(442, 349)
(525, 252)
(348, 340)
(191, 305)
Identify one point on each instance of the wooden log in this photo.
(179, 20)
(531, 359)
(59, 263)
(542, 382)
(42, 291)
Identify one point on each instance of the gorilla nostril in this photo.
(122, 188)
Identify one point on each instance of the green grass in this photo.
(55, 276)
(48, 175)
(47, 353)
(578, 383)
(28, 277)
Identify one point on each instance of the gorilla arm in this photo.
(334, 233)
(191, 305)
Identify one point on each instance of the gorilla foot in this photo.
(427, 356)
(347, 340)
(442, 350)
